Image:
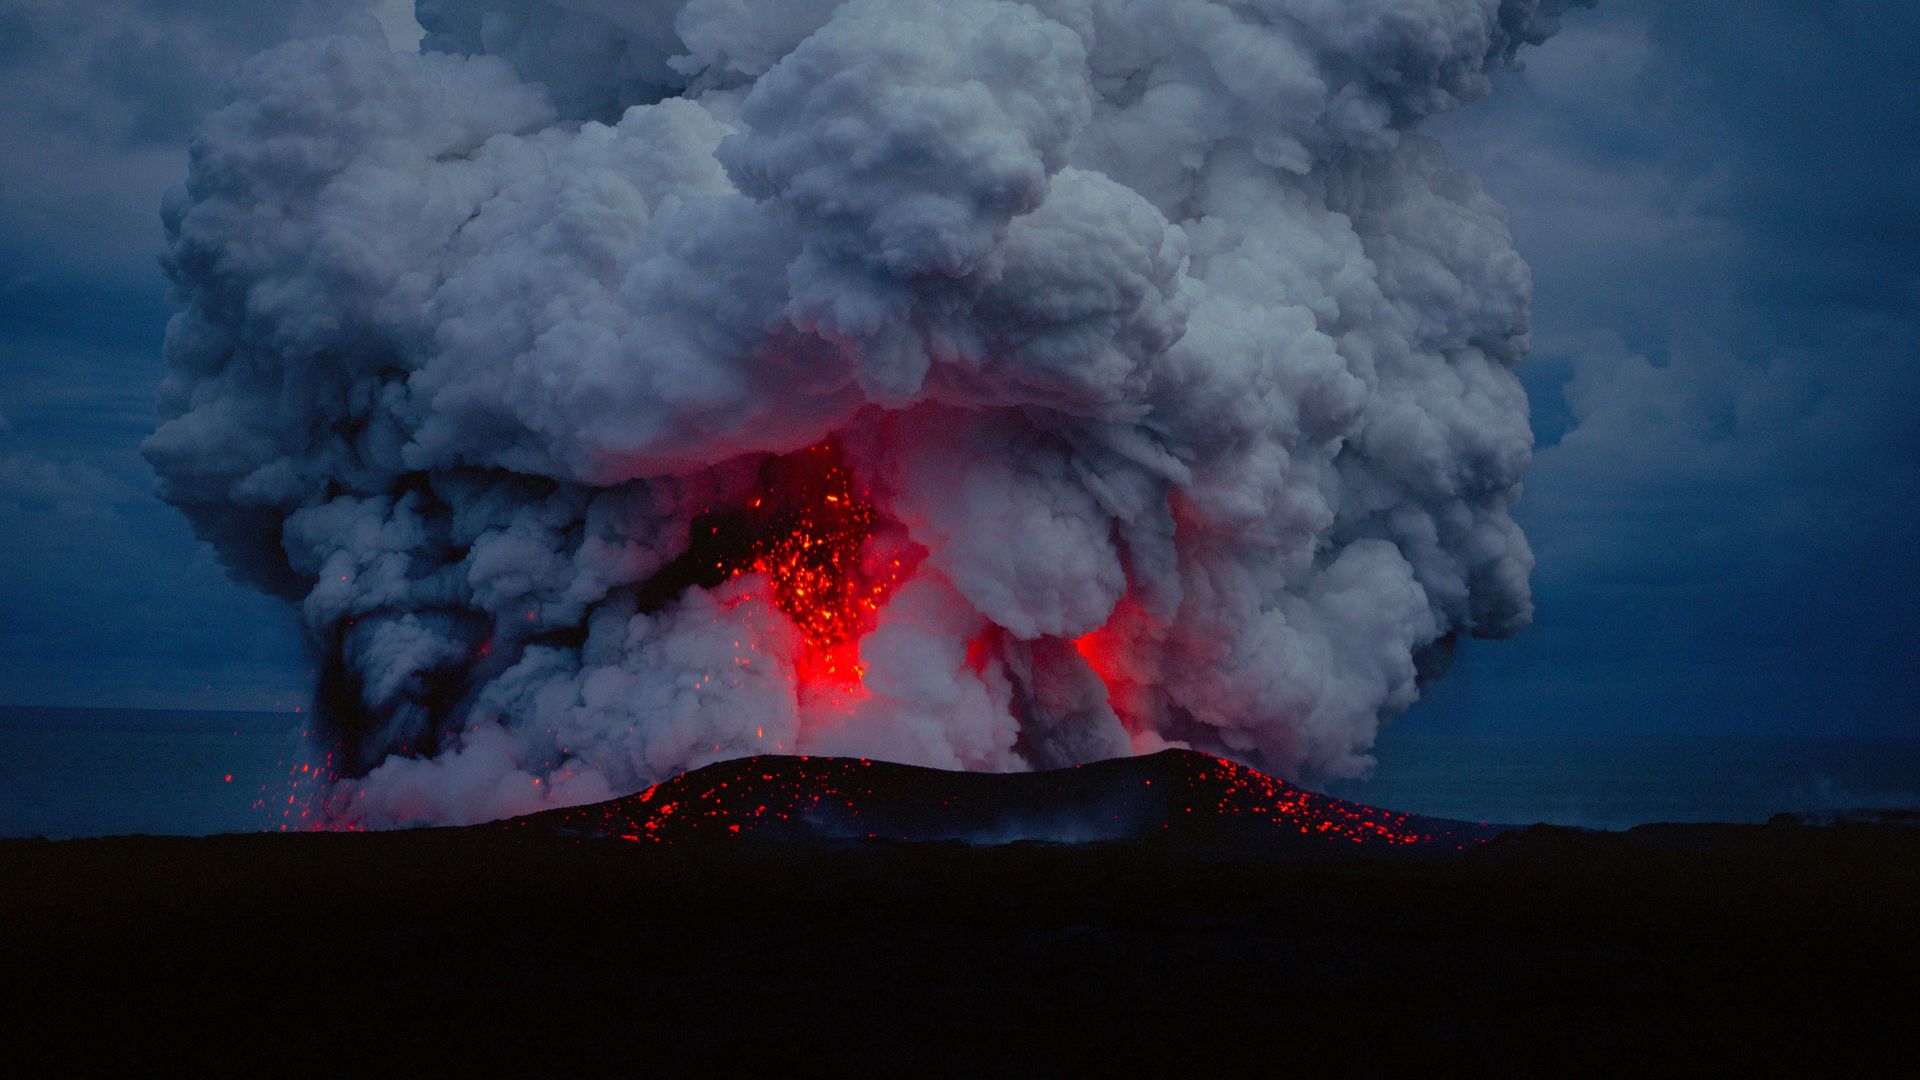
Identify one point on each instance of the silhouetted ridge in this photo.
(1176, 794)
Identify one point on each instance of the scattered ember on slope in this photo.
(1176, 794)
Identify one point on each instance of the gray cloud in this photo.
(1725, 274)
(1152, 320)
(102, 97)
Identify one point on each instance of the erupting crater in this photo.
(831, 562)
(1176, 794)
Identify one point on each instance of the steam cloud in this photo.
(1183, 361)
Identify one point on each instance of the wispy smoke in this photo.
(1179, 363)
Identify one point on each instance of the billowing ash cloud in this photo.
(1169, 371)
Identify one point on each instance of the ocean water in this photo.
(105, 772)
(94, 772)
(1619, 782)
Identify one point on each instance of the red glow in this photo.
(1111, 654)
(1097, 648)
(1093, 648)
(817, 552)
(978, 651)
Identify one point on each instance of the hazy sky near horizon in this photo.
(1720, 215)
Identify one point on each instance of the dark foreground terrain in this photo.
(1666, 949)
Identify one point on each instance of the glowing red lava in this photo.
(813, 536)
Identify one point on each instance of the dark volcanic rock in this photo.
(513, 948)
(1176, 795)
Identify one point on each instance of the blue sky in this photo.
(1726, 247)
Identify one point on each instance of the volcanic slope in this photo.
(1175, 794)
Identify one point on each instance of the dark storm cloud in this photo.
(109, 599)
(100, 98)
(1727, 268)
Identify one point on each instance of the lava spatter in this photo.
(810, 530)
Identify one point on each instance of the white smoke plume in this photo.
(1175, 366)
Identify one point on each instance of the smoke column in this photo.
(620, 386)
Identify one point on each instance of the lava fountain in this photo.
(815, 538)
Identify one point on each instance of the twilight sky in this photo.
(1726, 250)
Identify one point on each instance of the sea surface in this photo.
(104, 772)
(1617, 782)
(94, 772)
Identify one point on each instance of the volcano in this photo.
(1176, 795)
(999, 385)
